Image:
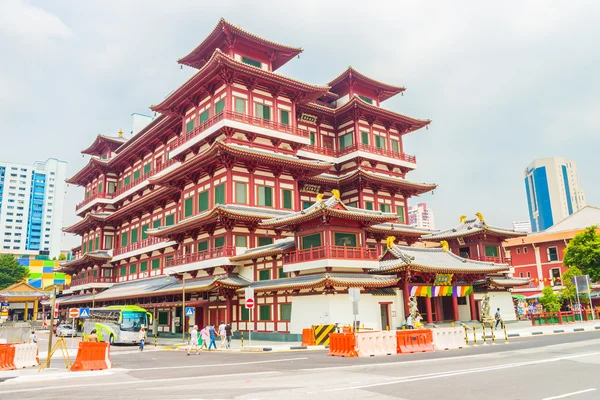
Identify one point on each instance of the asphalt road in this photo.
(529, 368)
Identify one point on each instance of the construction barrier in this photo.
(92, 356)
(7, 357)
(414, 341)
(321, 333)
(26, 355)
(342, 345)
(308, 337)
(372, 344)
(448, 338)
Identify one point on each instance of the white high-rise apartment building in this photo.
(553, 191)
(31, 207)
(421, 217)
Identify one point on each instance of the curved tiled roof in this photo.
(89, 220)
(502, 282)
(266, 251)
(434, 260)
(331, 207)
(112, 141)
(350, 73)
(325, 279)
(471, 227)
(393, 229)
(93, 257)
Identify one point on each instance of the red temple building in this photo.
(225, 190)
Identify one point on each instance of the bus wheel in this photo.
(111, 340)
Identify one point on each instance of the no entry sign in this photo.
(73, 312)
(250, 303)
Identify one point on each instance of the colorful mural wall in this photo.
(42, 275)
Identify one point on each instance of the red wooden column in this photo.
(405, 296)
(473, 309)
(438, 309)
(455, 308)
(229, 309)
(428, 310)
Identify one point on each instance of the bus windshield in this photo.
(133, 320)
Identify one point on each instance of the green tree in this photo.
(11, 271)
(569, 292)
(583, 251)
(550, 300)
(62, 257)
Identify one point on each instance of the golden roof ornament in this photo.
(479, 216)
(389, 241)
(120, 132)
(445, 245)
(320, 197)
(463, 219)
(335, 193)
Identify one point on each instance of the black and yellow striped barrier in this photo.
(322, 333)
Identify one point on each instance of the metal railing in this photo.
(138, 245)
(238, 117)
(333, 252)
(217, 252)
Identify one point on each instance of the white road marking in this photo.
(219, 365)
(136, 382)
(461, 372)
(562, 396)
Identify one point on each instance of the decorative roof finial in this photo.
(335, 193)
(320, 197)
(120, 132)
(445, 245)
(389, 241)
(463, 219)
(479, 216)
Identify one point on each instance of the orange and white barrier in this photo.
(25, 355)
(7, 357)
(342, 344)
(373, 344)
(92, 356)
(449, 338)
(414, 341)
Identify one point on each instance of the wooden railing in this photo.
(497, 260)
(138, 245)
(217, 252)
(332, 252)
(92, 279)
(93, 196)
(328, 151)
(239, 117)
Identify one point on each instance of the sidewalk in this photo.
(255, 346)
(525, 329)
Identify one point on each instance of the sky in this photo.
(503, 83)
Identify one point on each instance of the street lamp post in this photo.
(183, 317)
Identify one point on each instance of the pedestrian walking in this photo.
(213, 335)
(228, 333)
(93, 336)
(193, 340)
(409, 322)
(222, 334)
(32, 337)
(142, 337)
(205, 337)
(498, 318)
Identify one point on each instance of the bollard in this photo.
(505, 335)
(387, 328)
(453, 324)
(154, 340)
(362, 327)
(483, 330)
(403, 327)
(474, 336)
(466, 336)
(493, 334)
(242, 339)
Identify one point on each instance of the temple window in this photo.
(264, 241)
(241, 190)
(384, 207)
(219, 106)
(366, 99)
(144, 231)
(245, 313)
(124, 239)
(220, 194)
(100, 187)
(465, 252)
(264, 312)
(285, 312)
(346, 140)
(203, 245)
(312, 138)
(280, 273)
(147, 168)
(264, 275)
(306, 204)
(170, 220)
(240, 105)
(380, 142)
(204, 116)
(241, 241)
(262, 111)
(189, 126)
(219, 241)
(156, 223)
(155, 264)
(491, 251)
(136, 175)
(108, 242)
(309, 241)
(127, 180)
(400, 212)
(284, 117)
(395, 146)
(188, 207)
(111, 186)
(144, 266)
(364, 137)
(134, 235)
(265, 196)
(122, 271)
(344, 239)
(251, 61)
(287, 199)
(352, 204)
(203, 201)
(132, 269)
(368, 205)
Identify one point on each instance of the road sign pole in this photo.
(52, 305)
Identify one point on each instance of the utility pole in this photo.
(93, 297)
(52, 305)
(183, 316)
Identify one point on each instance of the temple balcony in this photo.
(359, 150)
(124, 190)
(143, 246)
(239, 122)
(331, 256)
(497, 260)
(91, 282)
(211, 258)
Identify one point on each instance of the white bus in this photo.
(117, 324)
